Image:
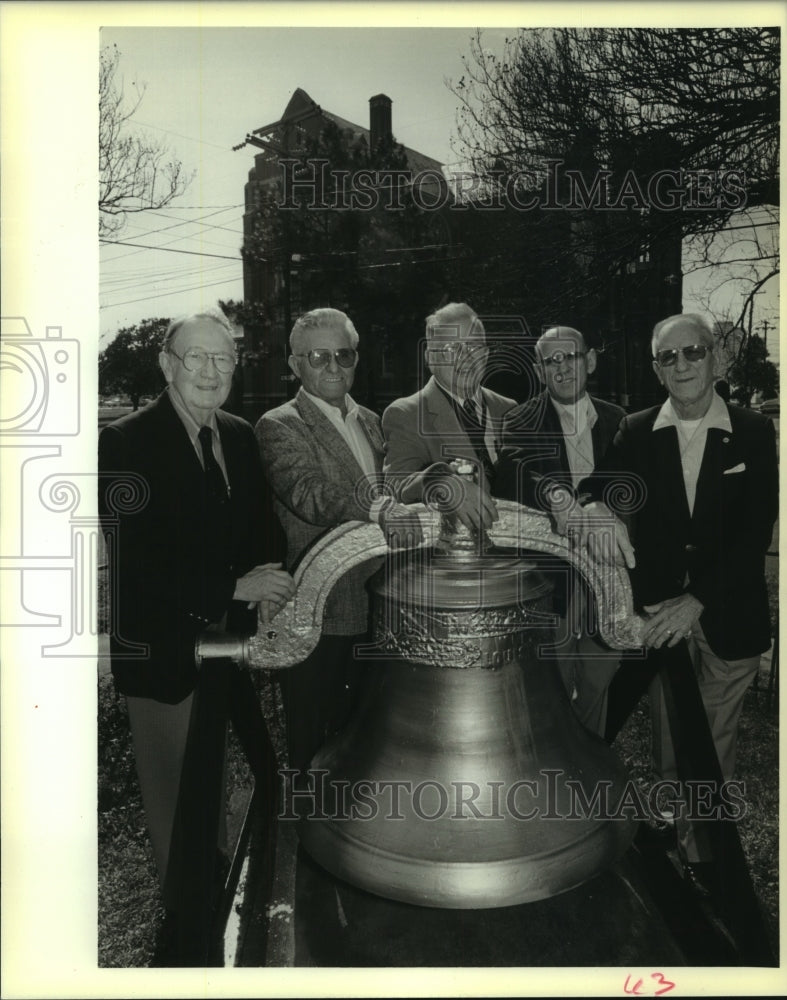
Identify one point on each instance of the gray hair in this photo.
(316, 318)
(695, 320)
(452, 315)
(214, 314)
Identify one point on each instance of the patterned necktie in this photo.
(215, 486)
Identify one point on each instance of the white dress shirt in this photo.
(692, 435)
(577, 421)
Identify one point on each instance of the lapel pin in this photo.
(726, 440)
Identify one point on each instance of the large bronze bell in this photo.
(464, 780)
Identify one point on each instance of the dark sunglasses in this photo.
(695, 352)
(320, 357)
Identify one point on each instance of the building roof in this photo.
(303, 107)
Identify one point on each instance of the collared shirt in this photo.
(482, 416)
(692, 435)
(354, 435)
(577, 421)
(193, 429)
(350, 429)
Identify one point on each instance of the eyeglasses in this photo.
(558, 357)
(195, 360)
(320, 357)
(449, 353)
(695, 352)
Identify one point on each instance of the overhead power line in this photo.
(145, 246)
(161, 295)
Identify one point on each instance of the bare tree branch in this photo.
(136, 172)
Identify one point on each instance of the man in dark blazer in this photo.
(322, 455)
(550, 444)
(709, 489)
(183, 503)
(451, 417)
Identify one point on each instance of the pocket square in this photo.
(740, 467)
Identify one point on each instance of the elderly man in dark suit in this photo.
(186, 556)
(709, 478)
(550, 444)
(322, 454)
(451, 417)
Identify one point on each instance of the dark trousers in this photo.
(196, 779)
(319, 695)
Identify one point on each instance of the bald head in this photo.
(692, 323)
(567, 334)
(563, 363)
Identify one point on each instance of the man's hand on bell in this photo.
(453, 494)
(401, 526)
(268, 585)
(603, 533)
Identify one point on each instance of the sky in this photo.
(205, 89)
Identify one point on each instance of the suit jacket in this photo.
(720, 547)
(318, 484)
(423, 429)
(172, 574)
(534, 447)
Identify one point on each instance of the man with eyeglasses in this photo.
(322, 454)
(451, 417)
(182, 498)
(550, 444)
(709, 501)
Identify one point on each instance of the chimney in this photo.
(379, 119)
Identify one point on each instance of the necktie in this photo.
(215, 486)
(471, 412)
(474, 426)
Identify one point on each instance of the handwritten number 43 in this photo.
(636, 989)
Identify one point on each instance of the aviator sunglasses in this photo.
(320, 357)
(669, 357)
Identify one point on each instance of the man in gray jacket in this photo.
(322, 455)
(451, 417)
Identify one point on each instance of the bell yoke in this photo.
(464, 778)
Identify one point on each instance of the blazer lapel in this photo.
(229, 442)
(374, 436)
(325, 431)
(553, 437)
(495, 416)
(711, 471)
(180, 451)
(666, 459)
(446, 424)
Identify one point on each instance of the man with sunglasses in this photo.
(322, 454)
(182, 499)
(550, 444)
(451, 417)
(700, 531)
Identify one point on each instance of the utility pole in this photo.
(765, 326)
